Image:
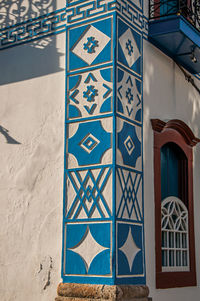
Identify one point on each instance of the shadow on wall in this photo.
(7, 136)
(17, 11)
(33, 59)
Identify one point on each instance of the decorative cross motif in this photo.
(129, 95)
(129, 43)
(90, 93)
(92, 40)
(91, 45)
(129, 47)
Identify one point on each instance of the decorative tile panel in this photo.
(88, 248)
(128, 144)
(130, 258)
(129, 47)
(89, 194)
(90, 44)
(90, 93)
(129, 98)
(89, 143)
(129, 195)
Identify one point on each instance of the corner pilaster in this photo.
(103, 228)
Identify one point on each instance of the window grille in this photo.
(174, 230)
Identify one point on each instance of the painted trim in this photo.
(164, 133)
(177, 125)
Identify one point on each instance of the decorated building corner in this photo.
(108, 92)
(103, 204)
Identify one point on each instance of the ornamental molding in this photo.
(177, 125)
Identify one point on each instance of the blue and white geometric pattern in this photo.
(132, 12)
(88, 249)
(104, 111)
(89, 194)
(129, 47)
(89, 143)
(79, 10)
(94, 29)
(129, 195)
(90, 93)
(129, 101)
(129, 144)
(130, 250)
(90, 44)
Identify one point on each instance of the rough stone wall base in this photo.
(89, 292)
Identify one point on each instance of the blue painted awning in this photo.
(177, 38)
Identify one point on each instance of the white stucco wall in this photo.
(167, 95)
(32, 100)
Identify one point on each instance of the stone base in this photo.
(90, 292)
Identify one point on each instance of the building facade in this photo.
(99, 149)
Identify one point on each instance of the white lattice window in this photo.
(175, 246)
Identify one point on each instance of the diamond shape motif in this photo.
(129, 145)
(90, 44)
(89, 194)
(129, 47)
(130, 249)
(88, 248)
(89, 143)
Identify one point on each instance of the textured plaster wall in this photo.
(32, 99)
(167, 95)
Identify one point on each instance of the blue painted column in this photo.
(103, 234)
